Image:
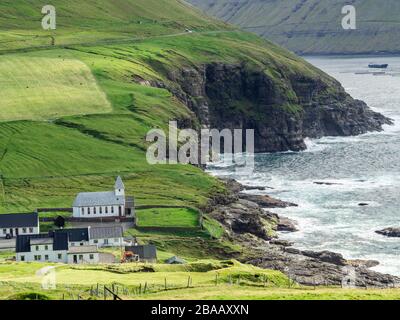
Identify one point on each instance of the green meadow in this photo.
(202, 280)
(168, 217)
(35, 88)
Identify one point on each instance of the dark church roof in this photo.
(19, 220)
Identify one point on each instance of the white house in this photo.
(106, 236)
(12, 225)
(79, 245)
(104, 204)
(83, 254)
(49, 247)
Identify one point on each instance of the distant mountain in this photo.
(314, 26)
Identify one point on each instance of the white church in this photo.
(104, 204)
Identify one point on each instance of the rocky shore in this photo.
(247, 222)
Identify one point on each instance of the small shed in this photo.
(175, 260)
(146, 253)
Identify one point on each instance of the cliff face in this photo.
(239, 96)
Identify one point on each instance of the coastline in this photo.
(248, 221)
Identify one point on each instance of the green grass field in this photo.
(209, 280)
(168, 217)
(37, 88)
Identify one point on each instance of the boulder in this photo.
(286, 225)
(326, 256)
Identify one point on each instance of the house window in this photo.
(37, 258)
(83, 210)
(105, 241)
(23, 230)
(80, 257)
(81, 244)
(59, 256)
(91, 257)
(96, 241)
(37, 248)
(106, 209)
(46, 257)
(112, 209)
(30, 230)
(101, 210)
(116, 240)
(22, 258)
(88, 211)
(94, 210)
(4, 231)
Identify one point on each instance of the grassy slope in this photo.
(35, 88)
(235, 281)
(314, 26)
(45, 164)
(96, 20)
(168, 217)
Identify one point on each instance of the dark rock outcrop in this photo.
(246, 217)
(286, 225)
(390, 232)
(266, 201)
(310, 271)
(326, 256)
(363, 263)
(282, 112)
(282, 243)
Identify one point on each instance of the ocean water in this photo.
(363, 169)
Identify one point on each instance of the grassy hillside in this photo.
(209, 280)
(314, 26)
(92, 137)
(50, 89)
(96, 20)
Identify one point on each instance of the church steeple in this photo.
(119, 187)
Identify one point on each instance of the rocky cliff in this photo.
(283, 107)
(248, 223)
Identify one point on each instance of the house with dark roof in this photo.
(56, 246)
(79, 245)
(146, 253)
(106, 236)
(104, 204)
(12, 225)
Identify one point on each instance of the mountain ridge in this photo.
(314, 26)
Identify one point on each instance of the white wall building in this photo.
(12, 225)
(78, 245)
(104, 204)
(83, 254)
(106, 236)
